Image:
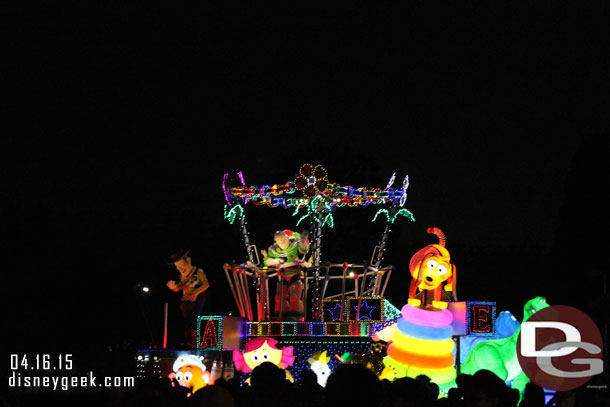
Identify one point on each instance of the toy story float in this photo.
(290, 315)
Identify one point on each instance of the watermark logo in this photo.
(560, 348)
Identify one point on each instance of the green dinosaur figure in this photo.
(500, 355)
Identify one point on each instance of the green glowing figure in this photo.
(500, 355)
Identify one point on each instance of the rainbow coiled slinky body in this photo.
(422, 345)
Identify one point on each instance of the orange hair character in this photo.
(430, 267)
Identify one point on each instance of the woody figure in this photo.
(193, 284)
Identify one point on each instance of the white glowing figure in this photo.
(405, 185)
(391, 181)
(319, 365)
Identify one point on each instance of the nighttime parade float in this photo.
(299, 312)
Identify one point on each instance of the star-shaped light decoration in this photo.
(336, 312)
(312, 180)
(365, 310)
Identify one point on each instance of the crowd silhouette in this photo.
(350, 385)
(354, 385)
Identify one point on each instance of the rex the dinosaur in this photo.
(500, 355)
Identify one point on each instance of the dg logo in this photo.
(560, 348)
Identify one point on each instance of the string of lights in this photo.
(309, 329)
(313, 197)
(312, 182)
(209, 332)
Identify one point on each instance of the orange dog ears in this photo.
(420, 256)
(452, 282)
(432, 249)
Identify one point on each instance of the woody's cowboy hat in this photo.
(178, 255)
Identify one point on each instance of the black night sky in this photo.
(122, 118)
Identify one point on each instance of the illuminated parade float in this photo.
(301, 313)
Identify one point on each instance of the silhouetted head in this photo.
(344, 384)
(267, 377)
(308, 378)
(211, 396)
(407, 391)
(488, 389)
(534, 394)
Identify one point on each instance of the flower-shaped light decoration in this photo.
(312, 180)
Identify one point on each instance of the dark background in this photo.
(122, 118)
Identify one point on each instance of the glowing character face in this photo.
(534, 305)
(319, 365)
(191, 373)
(260, 350)
(322, 371)
(263, 354)
(434, 271)
(184, 266)
(191, 377)
(282, 241)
